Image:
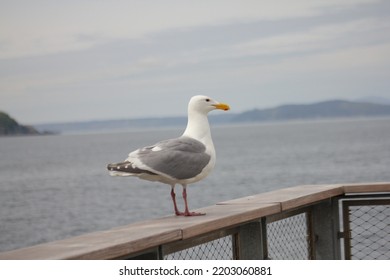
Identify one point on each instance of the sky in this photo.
(80, 60)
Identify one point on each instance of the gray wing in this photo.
(180, 158)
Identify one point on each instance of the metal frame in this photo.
(356, 200)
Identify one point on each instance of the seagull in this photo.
(183, 160)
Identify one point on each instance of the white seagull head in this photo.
(204, 104)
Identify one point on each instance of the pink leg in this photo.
(186, 211)
(173, 195)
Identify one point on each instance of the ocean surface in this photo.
(54, 187)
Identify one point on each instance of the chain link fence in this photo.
(218, 249)
(288, 239)
(367, 227)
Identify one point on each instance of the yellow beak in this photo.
(222, 106)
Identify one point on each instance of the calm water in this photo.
(53, 187)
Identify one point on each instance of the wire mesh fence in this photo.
(288, 238)
(368, 227)
(218, 249)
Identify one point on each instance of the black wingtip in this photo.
(120, 166)
(111, 166)
(127, 167)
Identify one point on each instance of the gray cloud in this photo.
(138, 61)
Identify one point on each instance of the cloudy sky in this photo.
(92, 60)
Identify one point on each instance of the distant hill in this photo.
(374, 99)
(8, 126)
(127, 124)
(326, 109)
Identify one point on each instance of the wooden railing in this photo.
(244, 221)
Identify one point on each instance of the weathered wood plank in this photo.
(224, 216)
(293, 197)
(366, 187)
(101, 245)
(144, 235)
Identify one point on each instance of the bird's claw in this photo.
(189, 214)
(194, 214)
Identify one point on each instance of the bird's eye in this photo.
(207, 100)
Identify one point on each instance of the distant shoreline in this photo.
(70, 131)
(10, 127)
(326, 110)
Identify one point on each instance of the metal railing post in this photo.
(252, 241)
(326, 225)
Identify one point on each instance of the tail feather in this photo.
(126, 168)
